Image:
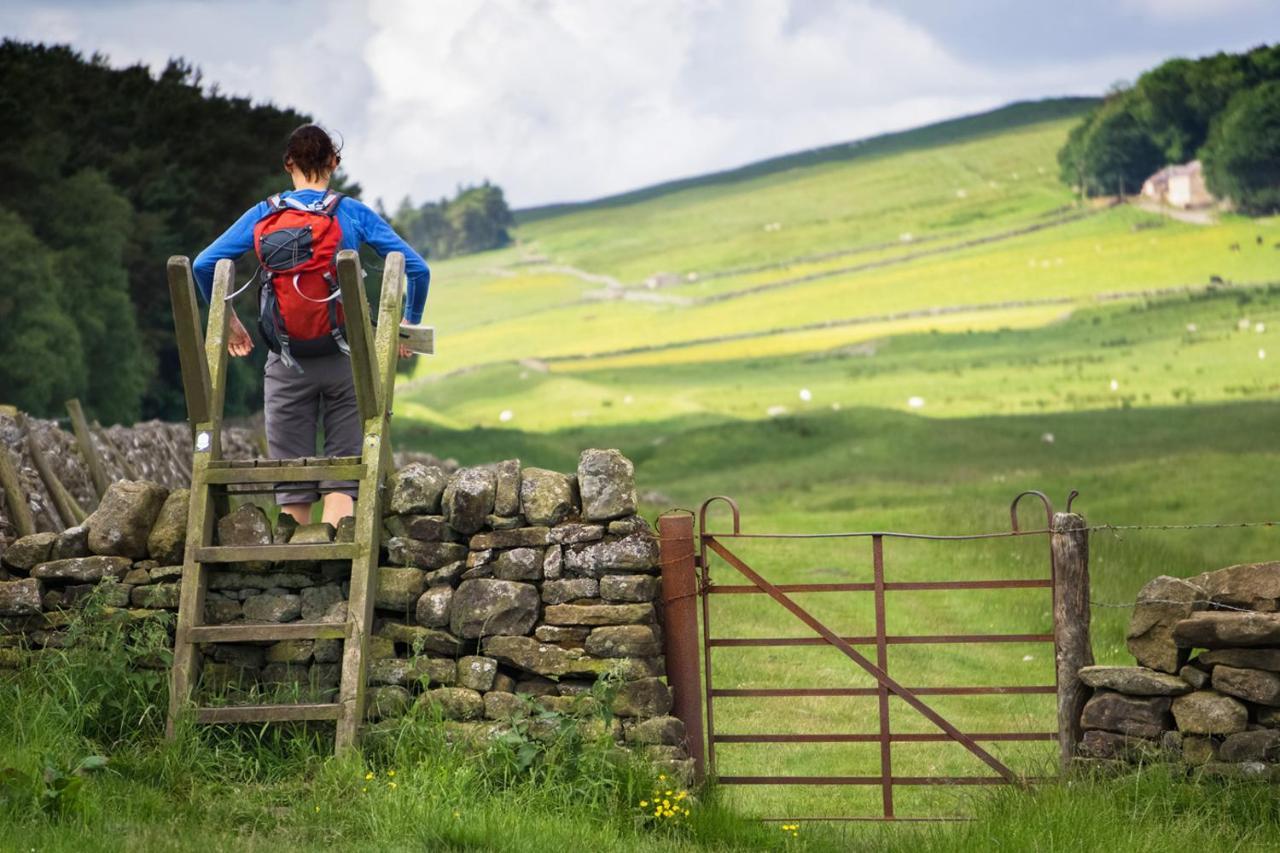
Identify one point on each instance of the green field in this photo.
(902, 340)
(898, 335)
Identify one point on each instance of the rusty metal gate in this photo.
(683, 556)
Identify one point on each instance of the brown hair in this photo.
(311, 150)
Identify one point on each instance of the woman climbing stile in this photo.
(296, 236)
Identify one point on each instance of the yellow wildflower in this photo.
(317, 809)
(391, 785)
(364, 790)
(662, 777)
(368, 777)
(686, 812)
(391, 772)
(455, 814)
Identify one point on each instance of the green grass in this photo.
(263, 789)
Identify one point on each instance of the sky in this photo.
(559, 100)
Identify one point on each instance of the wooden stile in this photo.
(204, 370)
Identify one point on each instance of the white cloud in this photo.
(568, 99)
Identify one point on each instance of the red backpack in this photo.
(300, 306)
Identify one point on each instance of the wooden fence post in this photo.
(1069, 545)
(69, 512)
(15, 500)
(97, 473)
(680, 629)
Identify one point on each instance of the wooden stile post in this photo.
(97, 473)
(15, 500)
(680, 629)
(69, 511)
(1069, 545)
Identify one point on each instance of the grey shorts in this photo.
(295, 403)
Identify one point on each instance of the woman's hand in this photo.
(239, 344)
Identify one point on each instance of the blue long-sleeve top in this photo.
(360, 224)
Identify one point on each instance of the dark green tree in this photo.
(1242, 157)
(41, 359)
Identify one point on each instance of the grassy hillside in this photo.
(899, 337)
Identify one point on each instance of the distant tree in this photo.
(475, 220)
(1242, 157)
(1170, 111)
(41, 359)
(1110, 153)
(88, 224)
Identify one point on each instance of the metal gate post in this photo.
(680, 628)
(1069, 546)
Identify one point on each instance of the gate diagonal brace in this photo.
(880, 675)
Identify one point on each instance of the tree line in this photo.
(476, 219)
(104, 173)
(1223, 109)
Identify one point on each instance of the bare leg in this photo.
(338, 506)
(301, 512)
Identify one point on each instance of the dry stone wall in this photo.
(1206, 687)
(503, 588)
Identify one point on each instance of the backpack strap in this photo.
(329, 204)
(335, 297)
(276, 203)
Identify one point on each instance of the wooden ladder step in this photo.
(268, 713)
(251, 553)
(259, 462)
(268, 631)
(284, 473)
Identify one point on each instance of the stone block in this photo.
(119, 527)
(1134, 681)
(454, 703)
(26, 551)
(417, 489)
(1206, 712)
(628, 588)
(1146, 717)
(574, 533)
(21, 597)
(272, 608)
(399, 588)
(598, 614)
(168, 537)
(1220, 629)
(546, 497)
(506, 493)
(483, 607)
(624, 641)
(606, 479)
(571, 589)
(468, 498)
(519, 564)
(1268, 659)
(434, 606)
(476, 672)
(645, 697)
(1163, 602)
(74, 542)
(1252, 685)
(1259, 745)
(82, 569)
(424, 555)
(637, 553)
(519, 537)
